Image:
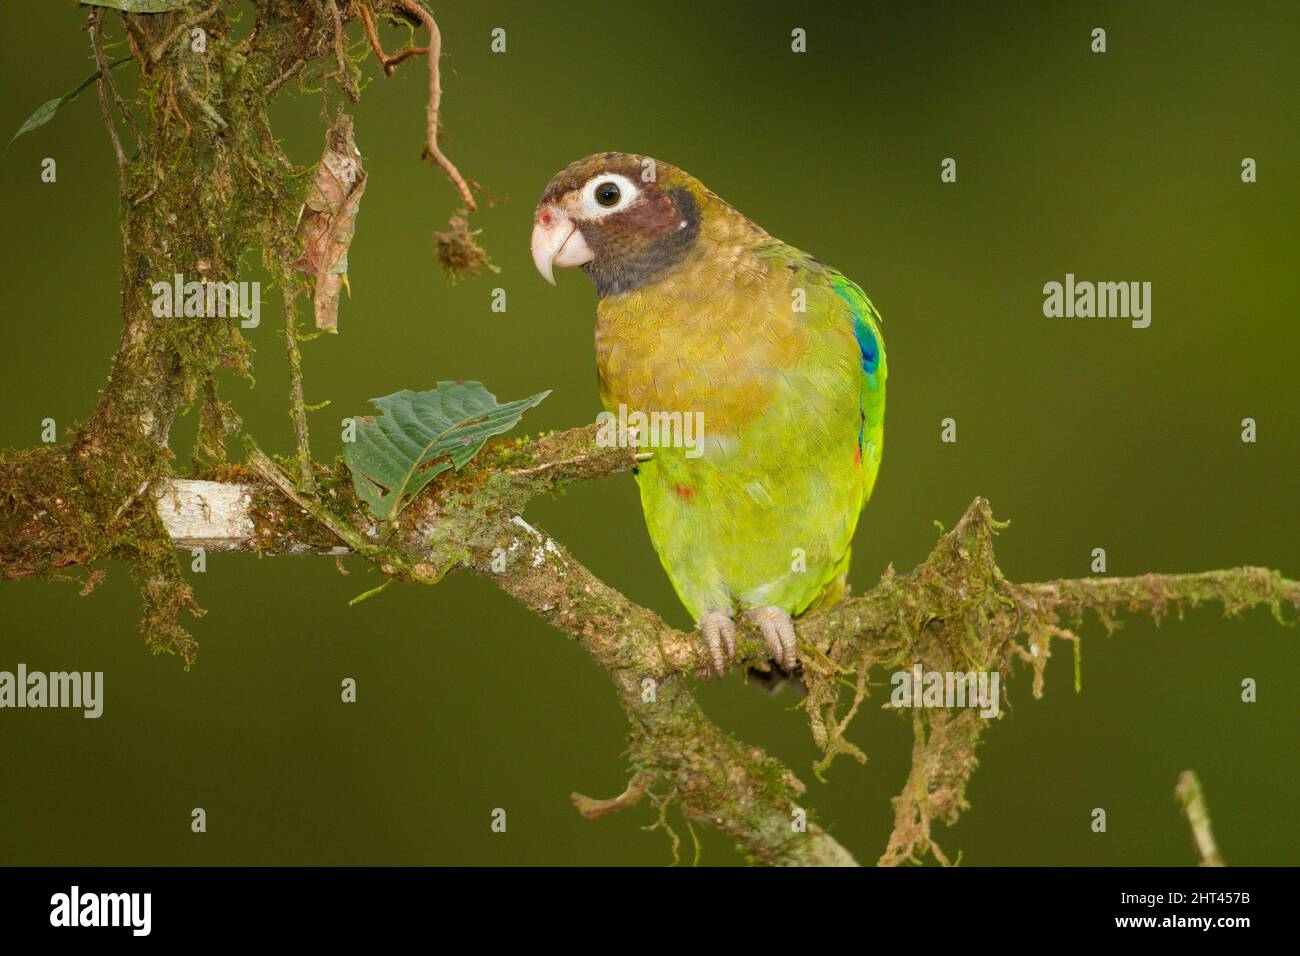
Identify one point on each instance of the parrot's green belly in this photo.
(735, 534)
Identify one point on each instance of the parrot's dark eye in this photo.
(607, 194)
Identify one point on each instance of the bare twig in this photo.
(1192, 799)
(389, 63)
(431, 148)
(340, 56)
(118, 101)
(593, 809)
(280, 80)
(101, 87)
(246, 45)
(297, 406)
(433, 51)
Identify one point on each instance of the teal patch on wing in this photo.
(867, 345)
(871, 347)
(865, 330)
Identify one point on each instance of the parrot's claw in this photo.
(778, 631)
(719, 632)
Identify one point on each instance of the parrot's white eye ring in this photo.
(606, 194)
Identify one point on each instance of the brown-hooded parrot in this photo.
(699, 310)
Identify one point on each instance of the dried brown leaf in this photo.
(328, 219)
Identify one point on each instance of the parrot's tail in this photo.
(775, 679)
(836, 590)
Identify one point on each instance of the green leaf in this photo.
(138, 6)
(419, 435)
(45, 112)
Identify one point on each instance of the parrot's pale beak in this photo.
(557, 241)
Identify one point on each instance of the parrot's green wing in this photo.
(871, 344)
(834, 303)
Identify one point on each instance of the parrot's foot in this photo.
(719, 631)
(778, 630)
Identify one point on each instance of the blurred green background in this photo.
(1085, 432)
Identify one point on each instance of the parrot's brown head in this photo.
(627, 220)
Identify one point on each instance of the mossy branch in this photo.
(953, 612)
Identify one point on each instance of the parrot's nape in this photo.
(779, 358)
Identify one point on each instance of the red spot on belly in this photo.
(685, 492)
(857, 456)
